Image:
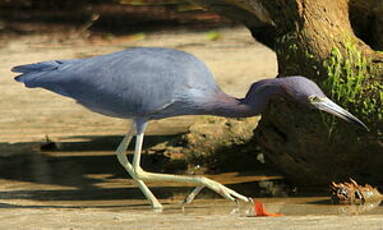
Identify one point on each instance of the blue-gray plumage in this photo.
(132, 83)
(143, 84)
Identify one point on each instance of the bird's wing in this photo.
(127, 83)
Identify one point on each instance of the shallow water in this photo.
(93, 179)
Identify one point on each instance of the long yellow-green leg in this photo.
(122, 158)
(199, 180)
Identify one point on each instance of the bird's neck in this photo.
(253, 104)
(228, 106)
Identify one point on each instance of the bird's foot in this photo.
(225, 191)
(141, 175)
(218, 188)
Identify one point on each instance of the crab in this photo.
(353, 193)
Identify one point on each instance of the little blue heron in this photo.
(144, 84)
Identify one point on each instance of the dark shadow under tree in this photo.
(334, 43)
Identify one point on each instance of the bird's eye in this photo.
(314, 99)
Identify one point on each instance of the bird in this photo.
(142, 84)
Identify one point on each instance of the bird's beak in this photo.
(325, 104)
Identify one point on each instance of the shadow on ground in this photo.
(89, 168)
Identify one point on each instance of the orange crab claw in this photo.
(259, 210)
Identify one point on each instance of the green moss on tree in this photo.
(351, 83)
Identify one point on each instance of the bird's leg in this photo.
(121, 156)
(192, 195)
(137, 150)
(202, 181)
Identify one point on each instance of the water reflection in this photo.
(357, 209)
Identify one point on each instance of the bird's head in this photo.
(300, 90)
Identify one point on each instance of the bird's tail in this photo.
(31, 73)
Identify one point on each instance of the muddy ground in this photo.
(83, 187)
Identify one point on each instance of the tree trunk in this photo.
(316, 39)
